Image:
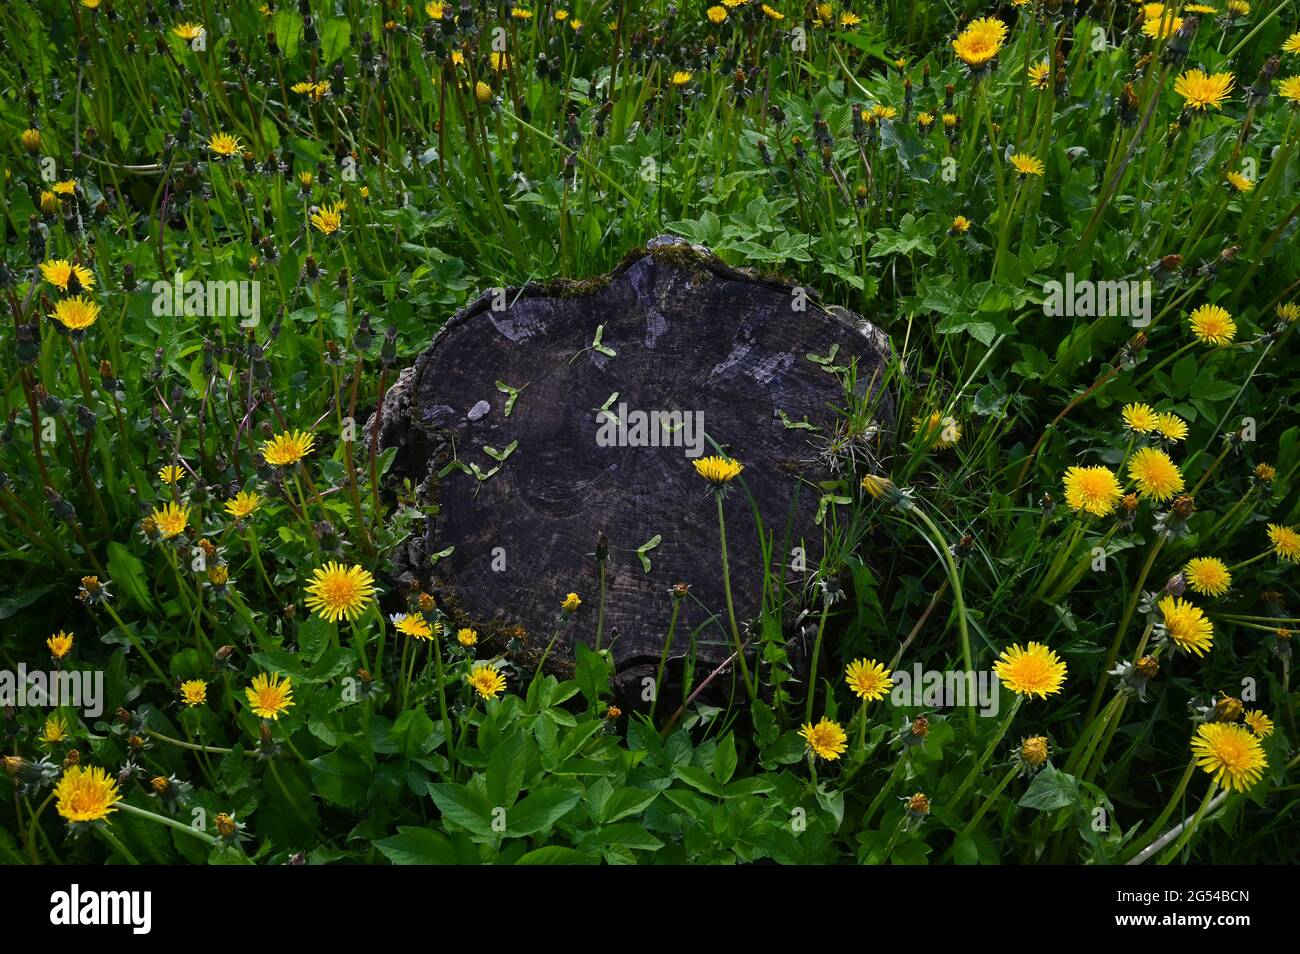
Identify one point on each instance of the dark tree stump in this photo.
(690, 334)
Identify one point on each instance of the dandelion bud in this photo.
(1148, 667)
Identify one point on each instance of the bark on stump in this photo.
(689, 334)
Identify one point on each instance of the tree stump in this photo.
(497, 424)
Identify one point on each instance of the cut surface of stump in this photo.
(499, 424)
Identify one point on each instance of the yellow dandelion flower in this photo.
(1157, 477)
(171, 474)
(467, 637)
(194, 692)
(1286, 542)
(1202, 8)
(1213, 325)
(60, 644)
(65, 187)
(826, 739)
(287, 448)
(980, 42)
(1032, 671)
(1239, 182)
(1292, 44)
(1028, 165)
(77, 313)
(59, 273)
(1171, 426)
(1201, 90)
(189, 32)
(1288, 311)
(680, 77)
(31, 139)
(1259, 723)
(1093, 490)
(943, 431)
(1140, 418)
(1040, 75)
(1188, 627)
(268, 697)
(718, 470)
(1207, 576)
(717, 15)
(1230, 753)
(55, 730)
(224, 144)
(417, 627)
(243, 504)
(435, 9)
(328, 219)
(486, 681)
(770, 13)
(86, 794)
(1239, 7)
(868, 679)
(519, 13)
(171, 519)
(482, 92)
(1161, 27)
(571, 603)
(338, 592)
(848, 20)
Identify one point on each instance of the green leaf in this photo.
(335, 35)
(724, 759)
(539, 810)
(128, 573)
(340, 777)
(699, 779)
(464, 807)
(592, 672)
(645, 548)
(1050, 790)
(556, 855)
(417, 846)
(625, 802)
